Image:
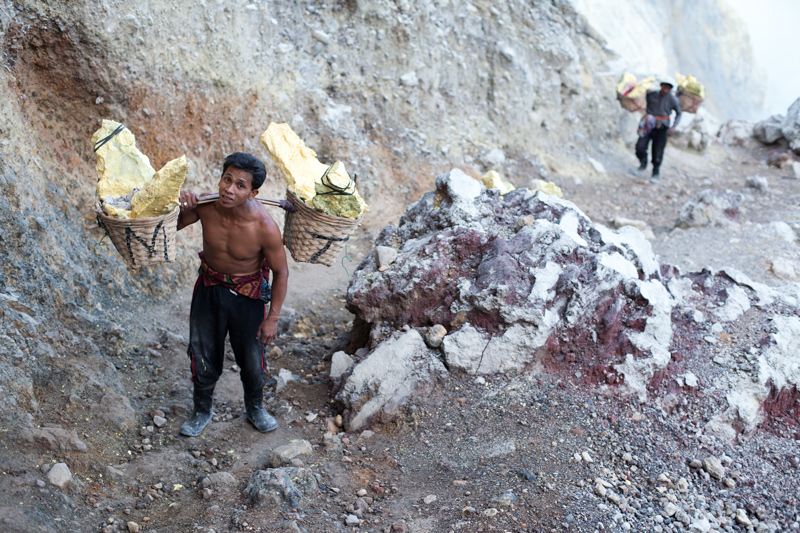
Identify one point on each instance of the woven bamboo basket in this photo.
(315, 237)
(632, 104)
(142, 241)
(689, 102)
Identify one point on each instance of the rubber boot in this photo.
(642, 166)
(656, 175)
(256, 414)
(201, 415)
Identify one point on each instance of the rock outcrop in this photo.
(525, 282)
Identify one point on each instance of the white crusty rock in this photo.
(386, 378)
(59, 475)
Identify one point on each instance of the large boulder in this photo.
(518, 279)
(387, 377)
(710, 207)
(525, 282)
(790, 127)
(769, 131)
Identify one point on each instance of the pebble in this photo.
(586, 457)
(742, 518)
(361, 493)
(714, 467)
(490, 512)
(352, 520)
(133, 527)
(429, 499)
(59, 475)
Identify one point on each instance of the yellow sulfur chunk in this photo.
(121, 167)
(641, 87)
(116, 212)
(548, 187)
(159, 196)
(691, 85)
(493, 180)
(349, 204)
(298, 162)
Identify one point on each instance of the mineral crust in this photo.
(159, 196)
(121, 167)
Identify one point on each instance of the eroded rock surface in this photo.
(561, 293)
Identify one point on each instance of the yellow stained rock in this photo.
(548, 187)
(116, 212)
(493, 180)
(303, 174)
(298, 162)
(121, 167)
(337, 194)
(159, 196)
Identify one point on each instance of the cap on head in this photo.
(668, 80)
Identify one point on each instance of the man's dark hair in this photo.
(248, 163)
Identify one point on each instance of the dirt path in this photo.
(493, 454)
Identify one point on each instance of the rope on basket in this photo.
(348, 258)
(335, 189)
(110, 136)
(98, 243)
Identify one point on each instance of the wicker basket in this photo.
(313, 236)
(142, 241)
(632, 104)
(690, 103)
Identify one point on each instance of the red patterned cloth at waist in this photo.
(246, 284)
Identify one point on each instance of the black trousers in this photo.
(217, 312)
(659, 138)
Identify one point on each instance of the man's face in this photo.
(665, 88)
(236, 187)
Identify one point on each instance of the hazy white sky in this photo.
(773, 27)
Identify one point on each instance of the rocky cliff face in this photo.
(703, 38)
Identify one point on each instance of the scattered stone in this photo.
(769, 131)
(758, 183)
(586, 457)
(284, 454)
(506, 499)
(59, 475)
(159, 421)
(133, 527)
(669, 509)
(429, 499)
(400, 527)
(283, 378)
(490, 512)
(340, 362)
(435, 335)
(53, 438)
(352, 520)
(385, 256)
(742, 518)
(710, 207)
(222, 479)
(714, 467)
(281, 485)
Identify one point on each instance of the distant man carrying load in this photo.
(241, 245)
(655, 125)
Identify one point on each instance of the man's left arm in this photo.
(273, 252)
(677, 107)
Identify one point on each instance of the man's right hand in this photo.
(187, 200)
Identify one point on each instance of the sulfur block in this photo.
(298, 163)
(121, 167)
(548, 187)
(493, 180)
(116, 212)
(159, 196)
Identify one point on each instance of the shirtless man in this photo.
(241, 245)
